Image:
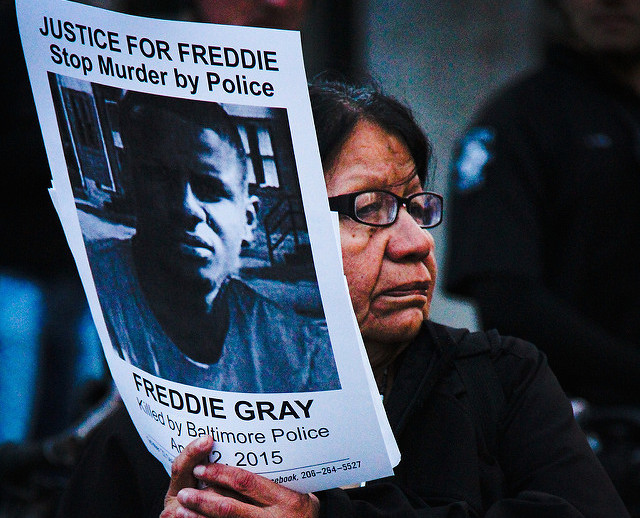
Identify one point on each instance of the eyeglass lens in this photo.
(381, 208)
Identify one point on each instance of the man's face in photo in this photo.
(193, 207)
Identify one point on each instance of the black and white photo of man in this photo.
(172, 300)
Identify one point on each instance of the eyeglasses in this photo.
(381, 208)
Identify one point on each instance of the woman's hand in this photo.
(230, 491)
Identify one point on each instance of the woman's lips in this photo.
(408, 289)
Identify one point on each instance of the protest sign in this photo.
(186, 174)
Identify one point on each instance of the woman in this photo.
(519, 453)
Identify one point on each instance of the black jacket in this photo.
(532, 462)
(544, 226)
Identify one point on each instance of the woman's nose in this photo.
(408, 240)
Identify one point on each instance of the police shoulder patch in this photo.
(474, 154)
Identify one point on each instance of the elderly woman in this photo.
(482, 424)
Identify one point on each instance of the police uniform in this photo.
(545, 222)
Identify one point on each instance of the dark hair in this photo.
(338, 106)
(140, 114)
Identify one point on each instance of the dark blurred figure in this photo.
(545, 227)
(40, 282)
(280, 14)
(51, 366)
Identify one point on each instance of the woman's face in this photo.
(391, 271)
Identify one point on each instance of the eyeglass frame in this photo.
(345, 204)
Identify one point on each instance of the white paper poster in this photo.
(186, 174)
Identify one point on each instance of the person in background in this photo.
(526, 457)
(544, 228)
(274, 14)
(51, 364)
